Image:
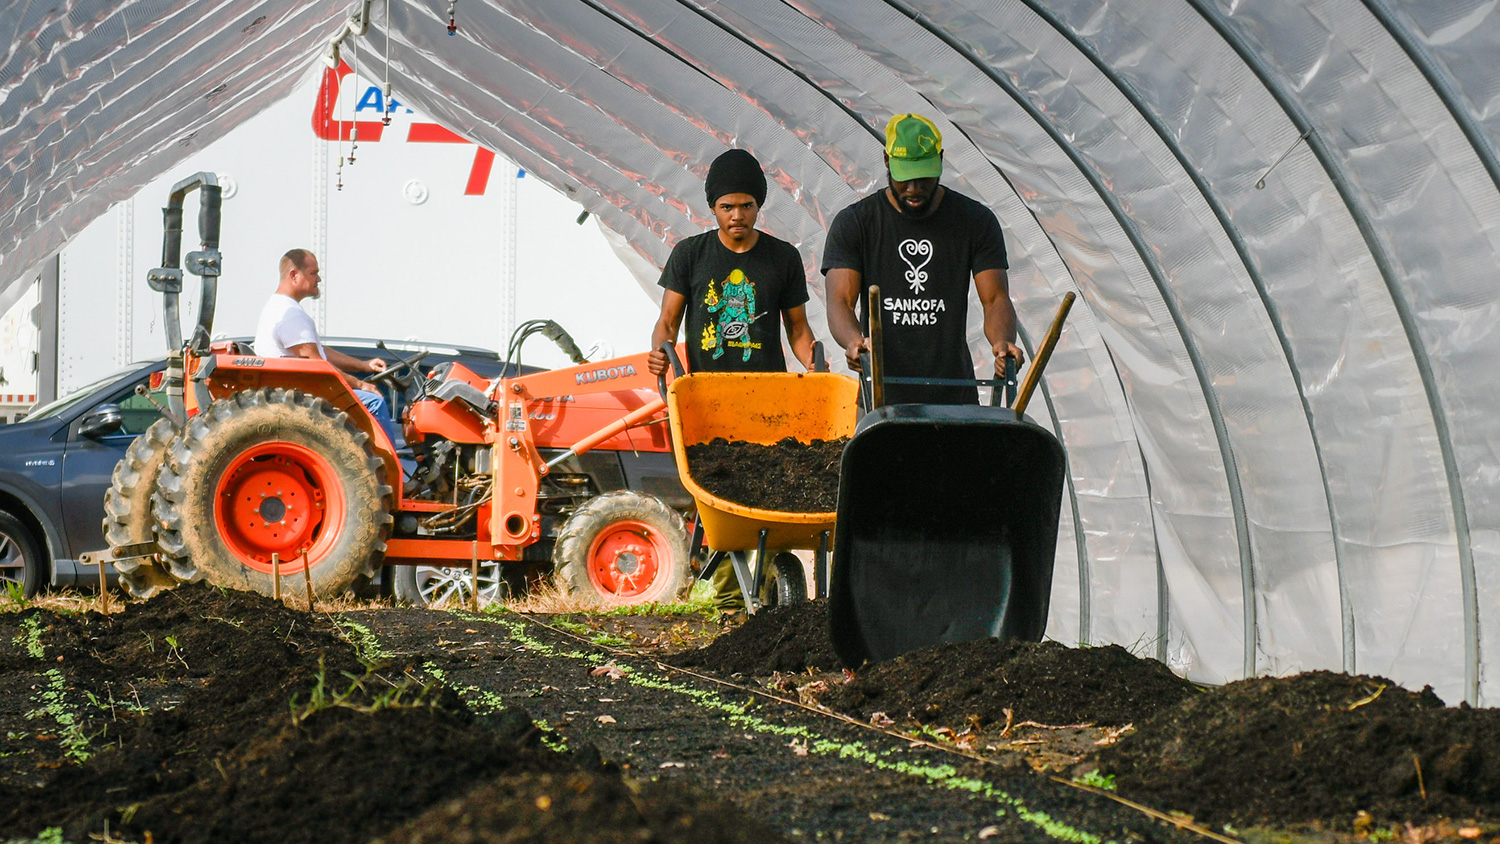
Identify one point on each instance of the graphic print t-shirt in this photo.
(734, 301)
(922, 267)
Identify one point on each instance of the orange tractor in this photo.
(273, 463)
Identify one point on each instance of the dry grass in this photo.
(67, 601)
(343, 603)
(60, 602)
(545, 597)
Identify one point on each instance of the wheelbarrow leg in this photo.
(746, 579)
(714, 558)
(760, 566)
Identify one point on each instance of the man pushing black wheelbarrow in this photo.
(947, 511)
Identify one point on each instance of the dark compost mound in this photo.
(341, 776)
(788, 477)
(580, 807)
(1314, 746)
(792, 638)
(206, 715)
(1047, 683)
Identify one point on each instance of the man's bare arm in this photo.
(999, 314)
(843, 287)
(672, 306)
(349, 363)
(799, 335)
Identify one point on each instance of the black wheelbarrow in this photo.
(947, 522)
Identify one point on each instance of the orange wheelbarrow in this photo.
(762, 408)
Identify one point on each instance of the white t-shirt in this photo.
(283, 324)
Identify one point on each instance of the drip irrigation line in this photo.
(1179, 823)
(1186, 826)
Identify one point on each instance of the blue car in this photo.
(55, 467)
(56, 464)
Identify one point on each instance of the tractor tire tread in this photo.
(128, 518)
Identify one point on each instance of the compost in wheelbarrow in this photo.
(945, 532)
(762, 408)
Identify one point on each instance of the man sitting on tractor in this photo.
(725, 281)
(286, 331)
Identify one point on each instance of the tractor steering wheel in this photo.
(390, 373)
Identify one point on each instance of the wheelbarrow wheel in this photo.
(622, 547)
(127, 509)
(785, 581)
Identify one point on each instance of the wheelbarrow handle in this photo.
(871, 381)
(677, 369)
(820, 360)
(1007, 372)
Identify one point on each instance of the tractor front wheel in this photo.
(622, 548)
(272, 472)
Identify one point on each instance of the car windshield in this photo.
(61, 405)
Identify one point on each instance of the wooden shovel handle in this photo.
(1034, 372)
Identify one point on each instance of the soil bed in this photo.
(792, 638)
(1336, 754)
(203, 715)
(1314, 748)
(788, 477)
(992, 682)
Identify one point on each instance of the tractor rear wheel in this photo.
(266, 472)
(622, 547)
(127, 509)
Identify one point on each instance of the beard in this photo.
(917, 211)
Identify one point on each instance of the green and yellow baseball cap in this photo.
(915, 147)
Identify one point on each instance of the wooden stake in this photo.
(103, 587)
(275, 576)
(307, 577)
(474, 576)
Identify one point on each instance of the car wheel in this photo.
(451, 586)
(272, 472)
(21, 558)
(127, 509)
(622, 548)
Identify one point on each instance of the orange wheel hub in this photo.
(626, 558)
(279, 498)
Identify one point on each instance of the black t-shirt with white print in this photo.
(922, 267)
(735, 300)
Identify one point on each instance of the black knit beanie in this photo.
(736, 171)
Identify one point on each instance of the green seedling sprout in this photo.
(1094, 779)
